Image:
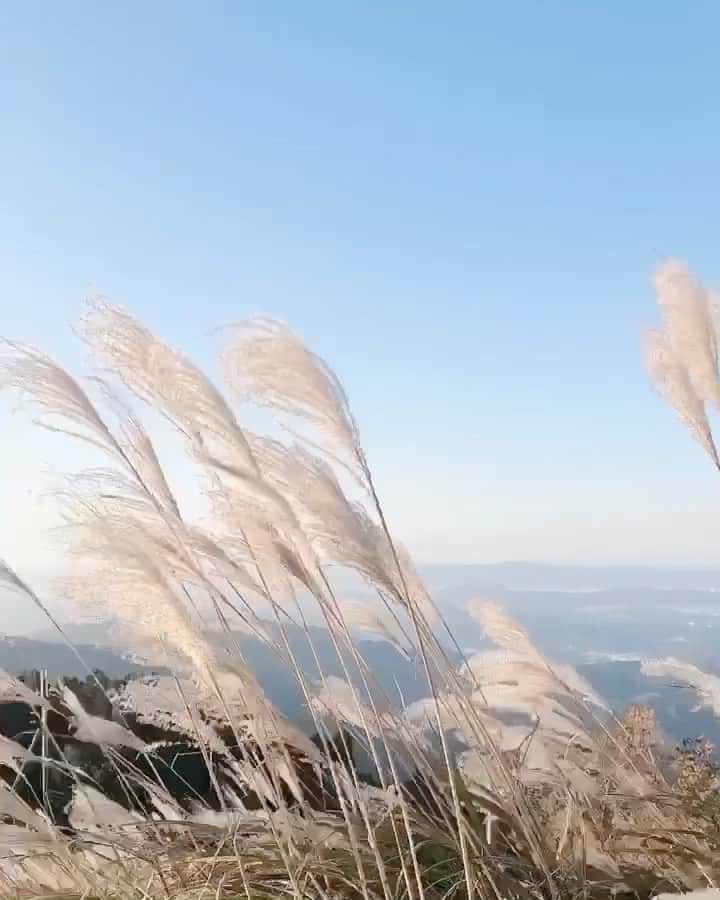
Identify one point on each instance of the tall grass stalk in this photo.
(564, 804)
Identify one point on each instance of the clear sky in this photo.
(460, 205)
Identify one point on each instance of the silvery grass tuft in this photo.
(682, 358)
(682, 355)
(511, 779)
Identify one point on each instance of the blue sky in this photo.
(460, 205)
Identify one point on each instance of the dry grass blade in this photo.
(264, 363)
(507, 781)
(682, 357)
(140, 451)
(43, 382)
(503, 630)
(690, 327)
(165, 379)
(379, 621)
(674, 383)
(98, 730)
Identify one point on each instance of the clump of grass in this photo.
(565, 802)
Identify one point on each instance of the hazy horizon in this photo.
(449, 583)
(606, 635)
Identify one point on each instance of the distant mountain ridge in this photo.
(451, 582)
(531, 576)
(609, 626)
(94, 634)
(18, 654)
